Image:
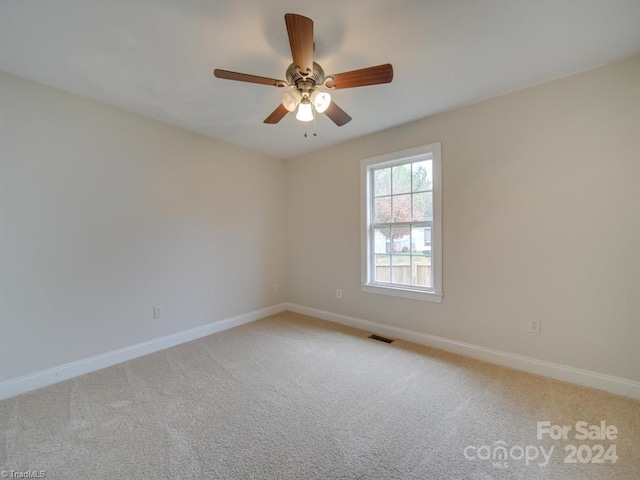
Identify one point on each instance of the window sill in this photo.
(403, 293)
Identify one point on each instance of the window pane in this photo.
(423, 206)
(401, 269)
(382, 182)
(382, 210)
(402, 179)
(421, 271)
(382, 240)
(402, 208)
(400, 240)
(382, 268)
(422, 178)
(421, 241)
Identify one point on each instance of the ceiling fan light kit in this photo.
(305, 114)
(291, 99)
(320, 100)
(305, 77)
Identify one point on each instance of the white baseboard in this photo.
(33, 381)
(616, 385)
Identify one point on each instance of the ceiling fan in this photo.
(306, 79)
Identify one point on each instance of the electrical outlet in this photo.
(534, 326)
(157, 311)
(275, 287)
(338, 293)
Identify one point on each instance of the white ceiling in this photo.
(156, 57)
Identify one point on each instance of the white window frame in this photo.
(367, 165)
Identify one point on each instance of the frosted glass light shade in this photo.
(320, 100)
(304, 112)
(291, 99)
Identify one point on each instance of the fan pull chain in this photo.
(315, 132)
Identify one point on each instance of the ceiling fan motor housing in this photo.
(305, 84)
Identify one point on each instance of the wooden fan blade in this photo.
(300, 30)
(337, 115)
(245, 77)
(360, 78)
(277, 115)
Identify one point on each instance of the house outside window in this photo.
(402, 224)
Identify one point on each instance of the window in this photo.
(402, 224)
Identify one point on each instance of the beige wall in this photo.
(104, 214)
(541, 220)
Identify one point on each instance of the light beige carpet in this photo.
(292, 397)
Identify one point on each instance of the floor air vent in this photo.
(380, 339)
